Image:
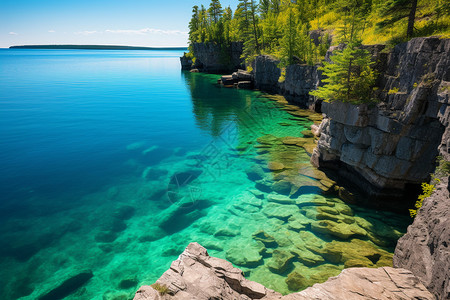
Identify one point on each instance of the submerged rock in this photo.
(255, 172)
(274, 210)
(280, 261)
(296, 281)
(265, 238)
(248, 256)
(281, 199)
(68, 287)
(283, 187)
(340, 230)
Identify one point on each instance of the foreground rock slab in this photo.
(197, 276)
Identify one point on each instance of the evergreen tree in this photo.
(203, 24)
(353, 14)
(215, 11)
(227, 19)
(242, 17)
(194, 25)
(264, 7)
(350, 77)
(253, 17)
(289, 42)
(396, 10)
(271, 32)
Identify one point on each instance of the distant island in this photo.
(95, 47)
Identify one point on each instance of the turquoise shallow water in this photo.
(113, 161)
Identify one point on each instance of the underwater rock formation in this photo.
(196, 276)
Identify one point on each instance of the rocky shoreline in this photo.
(386, 149)
(197, 276)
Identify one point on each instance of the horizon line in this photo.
(88, 46)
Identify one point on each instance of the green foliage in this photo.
(161, 288)
(443, 168)
(283, 27)
(353, 15)
(427, 191)
(350, 77)
(289, 43)
(393, 91)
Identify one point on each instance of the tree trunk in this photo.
(412, 16)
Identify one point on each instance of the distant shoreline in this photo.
(95, 47)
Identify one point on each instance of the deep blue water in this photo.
(92, 144)
(68, 114)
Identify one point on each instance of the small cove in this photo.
(114, 161)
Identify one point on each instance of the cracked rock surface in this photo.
(425, 248)
(197, 276)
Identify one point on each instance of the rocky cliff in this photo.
(386, 148)
(299, 80)
(425, 248)
(197, 276)
(214, 58)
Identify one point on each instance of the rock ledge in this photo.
(197, 276)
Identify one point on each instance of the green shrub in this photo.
(443, 168)
(161, 288)
(393, 91)
(427, 191)
(350, 77)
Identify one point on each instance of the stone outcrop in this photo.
(266, 73)
(239, 79)
(392, 144)
(425, 248)
(186, 62)
(197, 276)
(212, 58)
(299, 80)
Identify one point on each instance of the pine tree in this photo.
(215, 11)
(289, 42)
(227, 23)
(353, 14)
(396, 10)
(248, 23)
(349, 77)
(194, 25)
(203, 24)
(255, 26)
(242, 17)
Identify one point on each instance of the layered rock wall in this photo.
(299, 80)
(386, 147)
(212, 58)
(266, 73)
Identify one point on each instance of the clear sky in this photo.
(105, 22)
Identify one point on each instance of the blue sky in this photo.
(109, 22)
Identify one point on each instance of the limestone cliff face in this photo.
(425, 248)
(385, 147)
(299, 80)
(266, 73)
(212, 58)
(197, 276)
